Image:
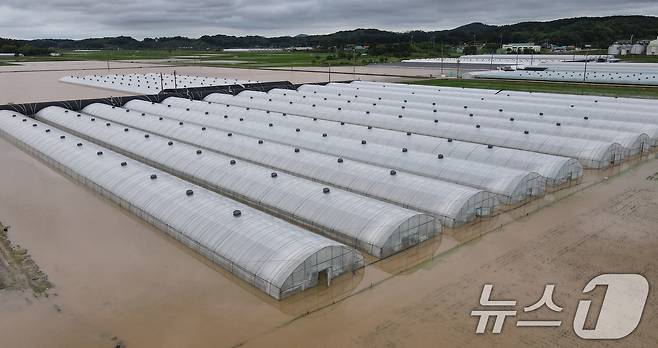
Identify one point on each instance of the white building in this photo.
(521, 47)
(652, 48)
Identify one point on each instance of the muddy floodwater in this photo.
(118, 280)
(36, 82)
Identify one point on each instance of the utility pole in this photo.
(175, 85)
(442, 46)
(475, 45)
(354, 62)
(161, 82)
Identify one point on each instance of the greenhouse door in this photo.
(324, 276)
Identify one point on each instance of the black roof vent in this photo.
(408, 133)
(274, 174)
(169, 105)
(586, 117)
(511, 118)
(399, 116)
(470, 115)
(203, 128)
(127, 110)
(450, 140)
(558, 124)
(189, 192)
(465, 106)
(180, 123)
(541, 114)
(324, 135)
(440, 156)
(340, 160)
(477, 126)
(434, 110)
(526, 132)
(363, 142)
(108, 124)
(153, 176)
(160, 118)
(271, 125)
(146, 135)
(325, 190)
(490, 146)
(393, 172)
(187, 109)
(47, 130)
(198, 152)
(340, 109)
(206, 113)
(436, 121)
(297, 130)
(260, 141)
(500, 110)
(123, 164)
(225, 116)
(125, 129)
(66, 111)
(232, 162)
(241, 119)
(230, 134)
(237, 213)
(296, 149)
(170, 143)
(99, 153)
(79, 144)
(315, 118)
(34, 125)
(369, 127)
(62, 136)
(93, 119)
(143, 114)
(367, 112)
(404, 149)
(342, 123)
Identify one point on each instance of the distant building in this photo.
(622, 48)
(652, 48)
(521, 47)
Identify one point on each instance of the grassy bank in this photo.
(548, 87)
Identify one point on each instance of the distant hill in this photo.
(595, 31)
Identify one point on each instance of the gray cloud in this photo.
(151, 18)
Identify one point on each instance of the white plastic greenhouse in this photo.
(512, 185)
(453, 204)
(495, 101)
(556, 169)
(381, 229)
(635, 137)
(151, 83)
(590, 153)
(276, 257)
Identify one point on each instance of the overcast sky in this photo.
(28, 19)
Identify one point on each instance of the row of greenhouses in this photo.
(286, 187)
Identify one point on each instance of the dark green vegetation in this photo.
(594, 31)
(548, 87)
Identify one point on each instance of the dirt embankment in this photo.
(17, 269)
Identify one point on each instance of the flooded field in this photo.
(36, 82)
(119, 281)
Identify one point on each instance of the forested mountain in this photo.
(595, 31)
